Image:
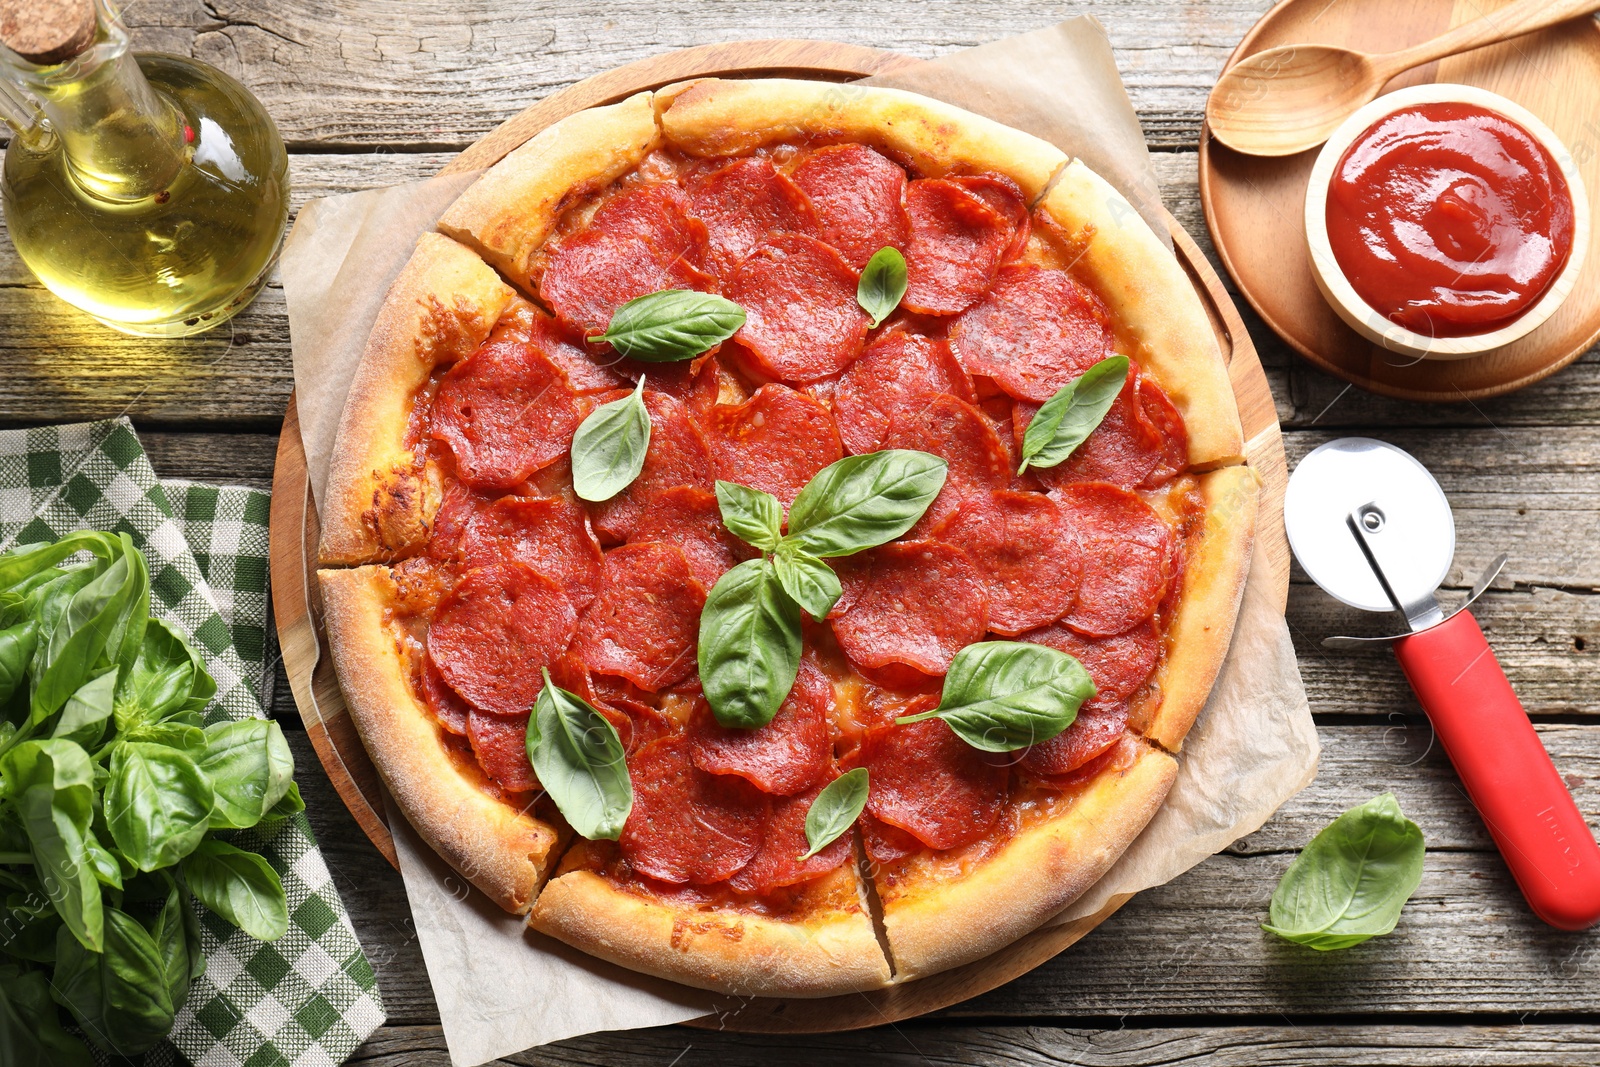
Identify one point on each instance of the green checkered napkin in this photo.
(310, 998)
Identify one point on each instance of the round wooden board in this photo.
(1254, 206)
(297, 606)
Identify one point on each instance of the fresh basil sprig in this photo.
(1000, 696)
(672, 324)
(1351, 881)
(835, 810)
(882, 285)
(749, 652)
(609, 448)
(861, 502)
(578, 757)
(1068, 418)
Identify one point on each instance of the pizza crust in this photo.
(932, 924)
(1201, 628)
(379, 499)
(1154, 306)
(504, 852)
(507, 214)
(830, 951)
(715, 117)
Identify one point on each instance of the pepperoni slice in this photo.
(788, 754)
(641, 240)
(957, 241)
(687, 825)
(549, 534)
(446, 705)
(802, 320)
(495, 630)
(1127, 556)
(1034, 332)
(587, 370)
(897, 376)
(886, 843)
(678, 455)
(778, 864)
(1117, 665)
(644, 623)
(460, 505)
(690, 519)
(743, 202)
(1025, 553)
(1100, 724)
(963, 437)
(929, 782)
(1002, 194)
(859, 196)
(919, 603)
(501, 744)
(1161, 414)
(776, 441)
(505, 411)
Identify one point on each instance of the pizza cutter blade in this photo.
(1372, 528)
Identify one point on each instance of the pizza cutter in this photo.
(1373, 529)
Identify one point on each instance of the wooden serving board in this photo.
(1255, 205)
(295, 530)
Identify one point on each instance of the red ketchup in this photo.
(1449, 219)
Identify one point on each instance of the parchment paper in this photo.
(501, 988)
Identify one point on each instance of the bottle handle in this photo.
(1506, 771)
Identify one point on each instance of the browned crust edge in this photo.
(1214, 577)
(823, 954)
(933, 924)
(379, 500)
(504, 852)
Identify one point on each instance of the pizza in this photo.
(466, 582)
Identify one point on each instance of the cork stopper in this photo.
(47, 32)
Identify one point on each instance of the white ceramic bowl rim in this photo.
(1365, 319)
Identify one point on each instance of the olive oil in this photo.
(153, 192)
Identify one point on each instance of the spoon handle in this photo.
(1525, 16)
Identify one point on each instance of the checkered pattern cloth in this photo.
(310, 998)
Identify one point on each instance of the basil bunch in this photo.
(1351, 881)
(1068, 418)
(749, 651)
(110, 788)
(672, 324)
(1001, 696)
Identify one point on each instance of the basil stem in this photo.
(578, 757)
(882, 285)
(835, 810)
(672, 324)
(1351, 881)
(1068, 418)
(753, 516)
(749, 650)
(809, 581)
(609, 448)
(1000, 696)
(861, 502)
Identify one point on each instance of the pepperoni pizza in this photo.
(459, 565)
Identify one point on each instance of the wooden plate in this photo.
(1254, 205)
(297, 606)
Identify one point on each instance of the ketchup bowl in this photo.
(1445, 221)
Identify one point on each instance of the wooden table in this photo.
(370, 92)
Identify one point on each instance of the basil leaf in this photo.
(84, 715)
(240, 886)
(882, 285)
(749, 645)
(106, 869)
(158, 804)
(165, 674)
(171, 937)
(51, 783)
(835, 810)
(754, 517)
(25, 561)
(671, 325)
(1068, 418)
(17, 644)
(578, 757)
(1000, 696)
(290, 805)
(31, 1034)
(250, 768)
(1351, 881)
(87, 635)
(120, 998)
(809, 582)
(864, 501)
(609, 448)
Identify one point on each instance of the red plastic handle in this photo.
(1505, 770)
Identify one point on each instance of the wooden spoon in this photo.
(1291, 98)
